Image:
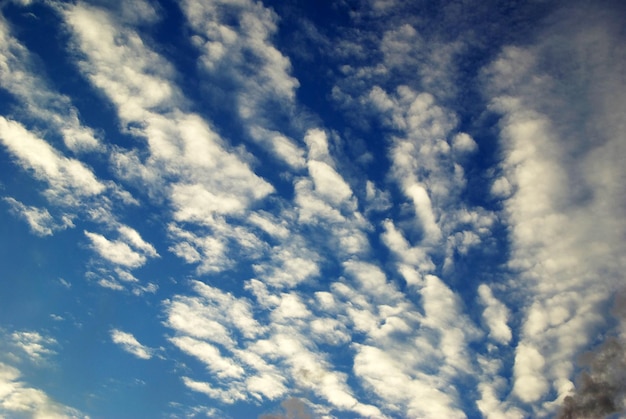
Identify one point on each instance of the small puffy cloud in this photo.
(130, 344)
(495, 315)
(463, 143)
(501, 188)
(130, 251)
(328, 183)
(424, 210)
(394, 382)
(377, 200)
(290, 308)
(530, 381)
(317, 143)
(21, 77)
(289, 266)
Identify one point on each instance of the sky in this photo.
(295, 209)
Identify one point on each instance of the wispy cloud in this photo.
(39, 101)
(39, 219)
(130, 344)
(17, 397)
(67, 178)
(36, 346)
(235, 43)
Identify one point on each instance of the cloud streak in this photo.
(130, 344)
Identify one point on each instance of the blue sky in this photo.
(350, 209)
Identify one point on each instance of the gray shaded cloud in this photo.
(601, 389)
(293, 408)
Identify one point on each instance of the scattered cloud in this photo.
(130, 344)
(441, 239)
(36, 346)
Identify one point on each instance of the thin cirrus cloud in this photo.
(376, 216)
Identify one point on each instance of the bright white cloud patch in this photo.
(117, 252)
(17, 398)
(65, 176)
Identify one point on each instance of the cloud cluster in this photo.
(571, 268)
(362, 293)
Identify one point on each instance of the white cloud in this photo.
(424, 211)
(130, 344)
(116, 252)
(134, 239)
(402, 390)
(18, 399)
(22, 78)
(501, 188)
(210, 356)
(268, 223)
(496, 315)
(317, 143)
(290, 308)
(563, 202)
(283, 147)
(328, 183)
(463, 143)
(312, 208)
(210, 314)
(205, 178)
(290, 266)
(39, 219)
(33, 344)
(530, 382)
(66, 177)
(232, 35)
(228, 396)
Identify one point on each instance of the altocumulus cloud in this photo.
(375, 209)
